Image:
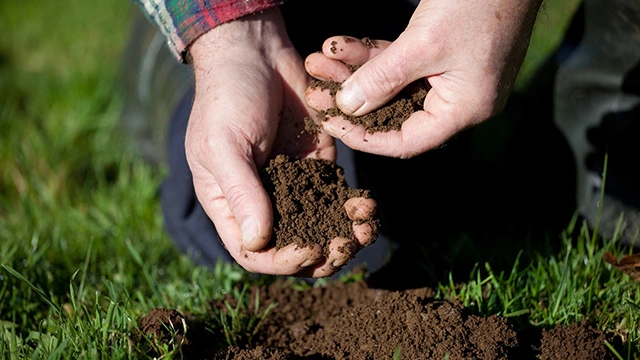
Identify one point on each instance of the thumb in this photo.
(373, 84)
(244, 201)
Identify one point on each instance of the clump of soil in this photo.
(386, 118)
(162, 326)
(308, 197)
(573, 341)
(354, 321)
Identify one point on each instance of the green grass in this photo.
(83, 253)
(552, 21)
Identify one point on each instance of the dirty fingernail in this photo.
(350, 98)
(360, 208)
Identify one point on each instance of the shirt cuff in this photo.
(191, 19)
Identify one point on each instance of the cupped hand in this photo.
(470, 55)
(249, 105)
(361, 211)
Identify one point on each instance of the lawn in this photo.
(83, 252)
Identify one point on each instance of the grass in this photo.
(83, 253)
(552, 21)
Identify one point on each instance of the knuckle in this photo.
(386, 79)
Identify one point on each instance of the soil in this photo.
(355, 321)
(388, 117)
(308, 197)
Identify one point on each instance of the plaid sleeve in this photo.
(183, 21)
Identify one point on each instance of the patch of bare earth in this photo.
(354, 321)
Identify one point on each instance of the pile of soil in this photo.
(308, 197)
(354, 321)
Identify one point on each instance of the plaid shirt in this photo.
(183, 21)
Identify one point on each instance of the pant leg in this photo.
(597, 107)
(185, 220)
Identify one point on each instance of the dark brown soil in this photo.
(388, 117)
(354, 321)
(308, 197)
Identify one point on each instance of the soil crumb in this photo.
(162, 326)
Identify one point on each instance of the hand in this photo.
(249, 104)
(470, 54)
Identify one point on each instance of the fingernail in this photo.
(249, 230)
(308, 263)
(338, 264)
(350, 98)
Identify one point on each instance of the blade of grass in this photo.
(38, 291)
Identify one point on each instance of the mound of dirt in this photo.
(354, 321)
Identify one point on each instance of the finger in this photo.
(422, 131)
(319, 99)
(358, 138)
(288, 260)
(360, 208)
(377, 81)
(319, 270)
(341, 250)
(365, 233)
(237, 176)
(352, 50)
(323, 68)
(439, 122)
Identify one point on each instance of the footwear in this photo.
(154, 82)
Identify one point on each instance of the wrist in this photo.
(261, 31)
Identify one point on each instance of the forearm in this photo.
(184, 21)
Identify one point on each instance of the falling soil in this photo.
(354, 321)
